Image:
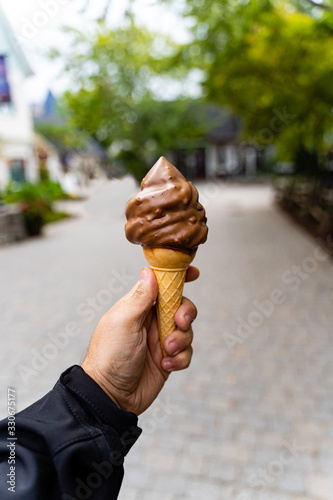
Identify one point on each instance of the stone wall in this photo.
(11, 224)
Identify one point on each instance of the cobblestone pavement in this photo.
(251, 419)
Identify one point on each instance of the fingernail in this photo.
(167, 365)
(188, 319)
(144, 275)
(173, 348)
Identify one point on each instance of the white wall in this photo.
(211, 161)
(17, 125)
(231, 159)
(54, 167)
(221, 160)
(16, 132)
(250, 161)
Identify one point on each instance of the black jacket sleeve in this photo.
(70, 444)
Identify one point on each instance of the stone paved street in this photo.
(251, 419)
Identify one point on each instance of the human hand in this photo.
(125, 356)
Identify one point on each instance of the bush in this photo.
(36, 201)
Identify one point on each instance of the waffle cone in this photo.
(170, 268)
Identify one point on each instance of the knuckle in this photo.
(182, 338)
(190, 306)
(195, 310)
(187, 338)
(139, 293)
(187, 357)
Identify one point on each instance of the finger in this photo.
(179, 362)
(192, 274)
(186, 314)
(178, 341)
(154, 345)
(133, 309)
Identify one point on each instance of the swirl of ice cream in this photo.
(166, 213)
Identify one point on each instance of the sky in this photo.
(37, 26)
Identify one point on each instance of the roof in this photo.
(49, 115)
(225, 127)
(51, 105)
(14, 44)
(48, 112)
(42, 142)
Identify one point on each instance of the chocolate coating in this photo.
(166, 213)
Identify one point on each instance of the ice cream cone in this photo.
(170, 268)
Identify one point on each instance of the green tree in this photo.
(272, 64)
(121, 80)
(63, 135)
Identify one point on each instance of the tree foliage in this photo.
(63, 135)
(270, 61)
(272, 64)
(121, 80)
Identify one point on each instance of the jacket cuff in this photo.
(96, 402)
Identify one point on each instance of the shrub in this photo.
(36, 201)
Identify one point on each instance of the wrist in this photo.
(100, 380)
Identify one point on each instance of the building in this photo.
(225, 154)
(17, 162)
(47, 158)
(221, 154)
(81, 157)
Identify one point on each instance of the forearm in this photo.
(70, 444)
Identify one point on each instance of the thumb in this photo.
(140, 300)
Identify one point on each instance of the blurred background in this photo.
(238, 95)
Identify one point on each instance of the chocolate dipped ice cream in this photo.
(167, 219)
(166, 213)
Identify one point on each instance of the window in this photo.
(17, 170)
